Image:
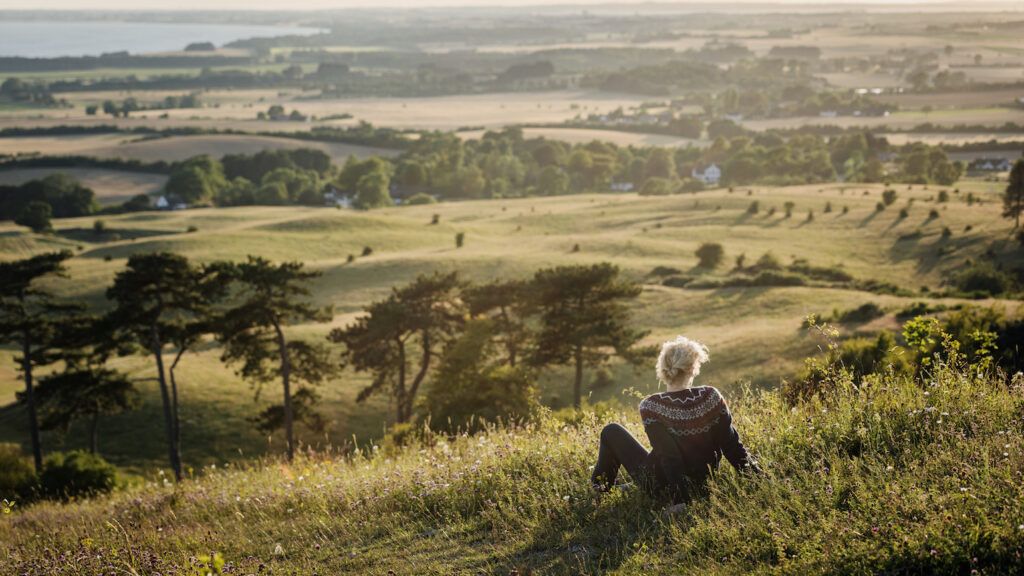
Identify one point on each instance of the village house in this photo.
(709, 174)
(989, 165)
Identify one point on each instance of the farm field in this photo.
(754, 332)
(111, 186)
(583, 135)
(174, 148)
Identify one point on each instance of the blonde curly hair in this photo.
(680, 358)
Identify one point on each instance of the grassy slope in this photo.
(901, 477)
(754, 333)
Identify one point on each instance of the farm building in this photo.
(709, 174)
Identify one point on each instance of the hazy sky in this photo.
(328, 4)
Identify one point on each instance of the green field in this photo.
(754, 333)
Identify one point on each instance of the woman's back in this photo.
(690, 430)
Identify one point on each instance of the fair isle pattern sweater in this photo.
(690, 430)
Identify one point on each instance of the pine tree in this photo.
(425, 315)
(273, 297)
(583, 318)
(30, 319)
(1013, 198)
(162, 299)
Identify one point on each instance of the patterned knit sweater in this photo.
(690, 430)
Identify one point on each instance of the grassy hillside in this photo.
(898, 477)
(754, 333)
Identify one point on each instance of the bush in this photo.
(420, 199)
(943, 196)
(845, 366)
(99, 227)
(879, 207)
(710, 254)
(664, 271)
(984, 279)
(76, 474)
(435, 219)
(460, 239)
(17, 478)
(768, 261)
(690, 185)
(754, 207)
(676, 281)
(933, 214)
(367, 251)
(904, 213)
(861, 314)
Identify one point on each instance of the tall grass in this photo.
(902, 475)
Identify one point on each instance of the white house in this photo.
(162, 203)
(335, 198)
(622, 186)
(990, 165)
(710, 174)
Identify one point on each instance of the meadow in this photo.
(901, 476)
(755, 333)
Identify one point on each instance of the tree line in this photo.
(475, 348)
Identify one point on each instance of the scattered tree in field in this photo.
(710, 254)
(1013, 197)
(889, 197)
(472, 387)
(418, 319)
(36, 216)
(754, 207)
(507, 303)
(583, 318)
(30, 319)
(828, 207)
(160, 299)
(84, 392)
(272, 297)
(740, 261)
(460, 239)
(943, 196)
(788, 206)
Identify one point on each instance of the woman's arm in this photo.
(734, 450)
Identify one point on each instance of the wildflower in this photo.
(278, 550)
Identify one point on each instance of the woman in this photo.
(690, 429)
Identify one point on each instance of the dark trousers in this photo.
(618, 447)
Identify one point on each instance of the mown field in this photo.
(754, 333)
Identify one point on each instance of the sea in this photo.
(49, 39)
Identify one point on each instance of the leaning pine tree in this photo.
(30, 319)
(420, 319)
(273, 297)
(584, 319)
(159, 299)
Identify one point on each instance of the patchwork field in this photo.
(754, 333)
(174, 148)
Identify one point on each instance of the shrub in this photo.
(754, 207)
(810, 215)
(76, 474)
(771, 211)
(983, 279)
(420, 199)
(664, 271)
(192, 229)
(768, 261)
(435, 219)
(845, 366)
(17, 478)
(788, 206)
(943, 196)
(99, 227)
(710, 254)
(946, 232)
(460, 239)
(933, 214)
(861, 314)
(690, 185)
(828, 207)
(741, 260)
(889, 197)
(879, 207)
(904, 213)
(846, 209)
(367, 251)
(471, 389)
